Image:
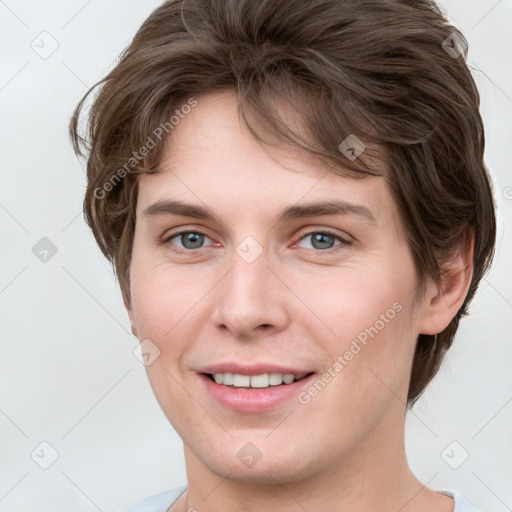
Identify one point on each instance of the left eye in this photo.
(322, 240)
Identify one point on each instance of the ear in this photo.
(131, 317)
(442, 302)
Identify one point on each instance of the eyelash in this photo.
(318, 251)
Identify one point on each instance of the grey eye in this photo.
(189, 239)
(321, 241)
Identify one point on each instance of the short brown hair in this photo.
(382, 71)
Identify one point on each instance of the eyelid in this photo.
(326, 231)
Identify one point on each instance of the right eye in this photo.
(189, 240)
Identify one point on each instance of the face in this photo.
(262, 285)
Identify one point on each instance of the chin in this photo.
(263, 473)
(267, 466)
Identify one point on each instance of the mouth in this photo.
(255, 393)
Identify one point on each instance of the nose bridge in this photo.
(249, 295)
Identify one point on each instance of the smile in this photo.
(268, 391)
(263, 380)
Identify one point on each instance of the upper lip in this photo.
(251, 369)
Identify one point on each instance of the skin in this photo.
(297, 304)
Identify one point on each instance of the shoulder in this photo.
(162, 501)
(461, 503)
(158, 502)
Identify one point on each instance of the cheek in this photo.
(357, 301)
(164, 300)
(371, 317)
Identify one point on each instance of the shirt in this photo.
(162, 501)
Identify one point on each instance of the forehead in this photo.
(211, 159)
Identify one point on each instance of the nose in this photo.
(251, 300)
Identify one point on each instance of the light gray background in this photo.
(68, 375)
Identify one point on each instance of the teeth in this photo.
(275, 379)
(260, 381)
(264, 380)
(241, 381)
(288, 379)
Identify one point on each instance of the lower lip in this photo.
(254, 399)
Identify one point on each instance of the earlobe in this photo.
(443, 301)
(131, 317)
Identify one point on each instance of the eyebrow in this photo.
(175, 207)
